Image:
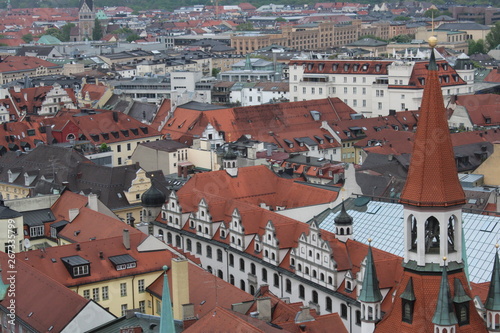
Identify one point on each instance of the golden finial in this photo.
(444, 258)
(370, 240)
(497, 245)
(433, 41)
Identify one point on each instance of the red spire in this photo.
(432, 178)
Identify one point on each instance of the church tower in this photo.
(86, 19)
(434, 294)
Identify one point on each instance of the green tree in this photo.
(402, 18)
(66, 32)
(280, 19)
(493, 37)
(402, 38)
(476, 46)
(27, 38)
(215, 71)
(97, 32)
(54, 32)
(432, 13)
(247, 26)
(133, 38)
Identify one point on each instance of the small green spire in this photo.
(408, 294)
(343, 218)
(444, 314)
(493, 300)
(248, 63)
(460, 294)
(370, 292)
(167, 318)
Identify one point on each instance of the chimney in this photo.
(179, 171)
(303, 315)
(126, 239)
(189, 317)
(92, 202)
(180, 286)
(184, 172)
(264, 308)
(73, 213)
(392, 112)
(101, 255)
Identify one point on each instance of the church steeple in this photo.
(370, 296)
(167, 317)
(432, 194)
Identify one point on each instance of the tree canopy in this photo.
(493, 37)
(476, 46)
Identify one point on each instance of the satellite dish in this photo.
(27, 243)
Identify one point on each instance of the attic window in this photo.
(95, 137)
(289, 143)
(377, 68)
(329, 138)
(124, 261)
(144, 129)
(346, 67)
(299, 141)
(105, 136)
(135, 131)
(355, 67)
(115, 134)
(31, 132)
(125, 133)
(319, 139)
(335, 67)
(77, 266)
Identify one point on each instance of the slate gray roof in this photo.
(463, 26)
(164, 145)
(7, 213)
(38, 217)
(367, 42)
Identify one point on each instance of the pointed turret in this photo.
(167, 317)
(343, 224)
(432, 177)
(371, 291)
(444, 317)
(370, 296)
(248, 63)
(492, 304)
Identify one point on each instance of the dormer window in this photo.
(124, 261)
(77, 266)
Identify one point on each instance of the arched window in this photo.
(198, 248)
(220, 274)
(252, 290)
(315, 296)
(252, 268)
(358, 317)
(451, 233)
(328, 304)
(432, 235)
(276, 280)
(219, 255)
(160, 234)
(209, 251)
(242, 265)
(231, 279)
(330, 280)
(343, 310)
(288, 285)
(169, 238)
(178, 241)
(231, 260)
(209, 269)
(322, 277)
(242, 285)
(264, 274)
(189, 245)
(302, 292)
(413, 227)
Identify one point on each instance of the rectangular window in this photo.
(345, 90)
(403, 106)
(86, 294)
(354, 90)
(320, 91)
(364, 102)
(402, 96)
(353, 80)
(95, 294)
(294, 88)
(158, 307)
(81, 270)
(379, 105)
(105, 294)
(124, 309)
(140, 285)
(354, 102)
(119, 161)
(128, 146)
(118, 148)
(304, 90)
(313, 91)
(364, 91)
(345, 79)
(142, 306)
(123, 289)
(364, 80)
(36, 231)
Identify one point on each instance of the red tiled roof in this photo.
(33, 293)
(262, 122)
(432, 177)
(100, 269)
(482, 109)
(20, 63)
(206, 291)
(426, 289)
